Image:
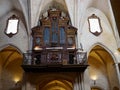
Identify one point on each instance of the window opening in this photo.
(12, 26)
(94, 25)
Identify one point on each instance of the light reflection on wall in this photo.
(16, 79)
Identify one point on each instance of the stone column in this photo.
(118, 72)
(26, 83)
(86, 79)
(78, 84)
(82, 81)
(28, 86)
(75, 87)
(23, 87)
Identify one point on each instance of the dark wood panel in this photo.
(116, 10)
(55, 68)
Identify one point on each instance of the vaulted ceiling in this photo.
(18, 6)
(10, 66)
(22, 6)
(9, 5)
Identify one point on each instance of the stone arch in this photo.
(42, 81)
(101, 64)
(11, 45)
(57, 84)
(105, 47)
(10, 62)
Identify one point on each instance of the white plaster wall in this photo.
(106, 38)
(20, 40)
(36, 9)
(5, 7)
(25, 9)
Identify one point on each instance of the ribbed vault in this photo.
(101, 67)
(10, 62)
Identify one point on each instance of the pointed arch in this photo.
(101, 64)
(57, 84)
(43, 81)
(104, 47)
(9, 53)
(11, 45)
(10, 62)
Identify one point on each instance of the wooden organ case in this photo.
(54, 45)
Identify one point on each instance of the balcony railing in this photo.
(45, 61)
(56, 58)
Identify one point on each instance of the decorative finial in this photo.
(81, 47)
